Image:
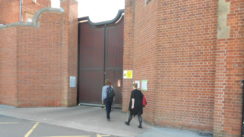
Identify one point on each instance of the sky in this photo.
(97, 10)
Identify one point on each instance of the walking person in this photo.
(108, 97)
(135, 106)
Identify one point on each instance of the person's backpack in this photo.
(110, 93)
(144, 101)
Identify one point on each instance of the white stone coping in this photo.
(35, 19)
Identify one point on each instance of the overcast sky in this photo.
(97, 10)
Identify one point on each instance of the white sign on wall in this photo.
(72, 81)
(144, 85)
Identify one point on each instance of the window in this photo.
(35, 1)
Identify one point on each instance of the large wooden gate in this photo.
(100, 58)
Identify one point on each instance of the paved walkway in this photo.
(93, 119)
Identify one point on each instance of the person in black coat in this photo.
(135, 106)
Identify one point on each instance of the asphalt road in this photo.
(13, 127)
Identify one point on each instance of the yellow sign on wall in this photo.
(128, 74)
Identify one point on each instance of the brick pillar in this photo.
(71, 55)
(128, 49)
(229, 69)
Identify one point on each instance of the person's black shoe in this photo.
(127, 123)
(139, 126)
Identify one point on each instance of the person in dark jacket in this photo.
(108, 97)
(135, 106)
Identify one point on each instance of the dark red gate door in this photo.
(114, 58)
(91, 62)
(100, 58)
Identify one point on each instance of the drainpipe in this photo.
(20, 10)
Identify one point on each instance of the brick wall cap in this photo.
(35, 19)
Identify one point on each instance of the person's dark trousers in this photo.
(139, 119)
(108, 108)
(129, 119)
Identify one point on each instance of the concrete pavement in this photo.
(93, 119)
(27, 128)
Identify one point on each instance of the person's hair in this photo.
(107, 82)
(135, 85)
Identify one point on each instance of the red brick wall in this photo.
(140, 48)
(41, 62)
(46, 57)
(29, 7)
(194, 74)
(72, 48)
(145, 43)
(128, 50)
(229, 73)
(186, 63)
(8, 71)
(10, 12)
(60, 61)
(173, 47)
